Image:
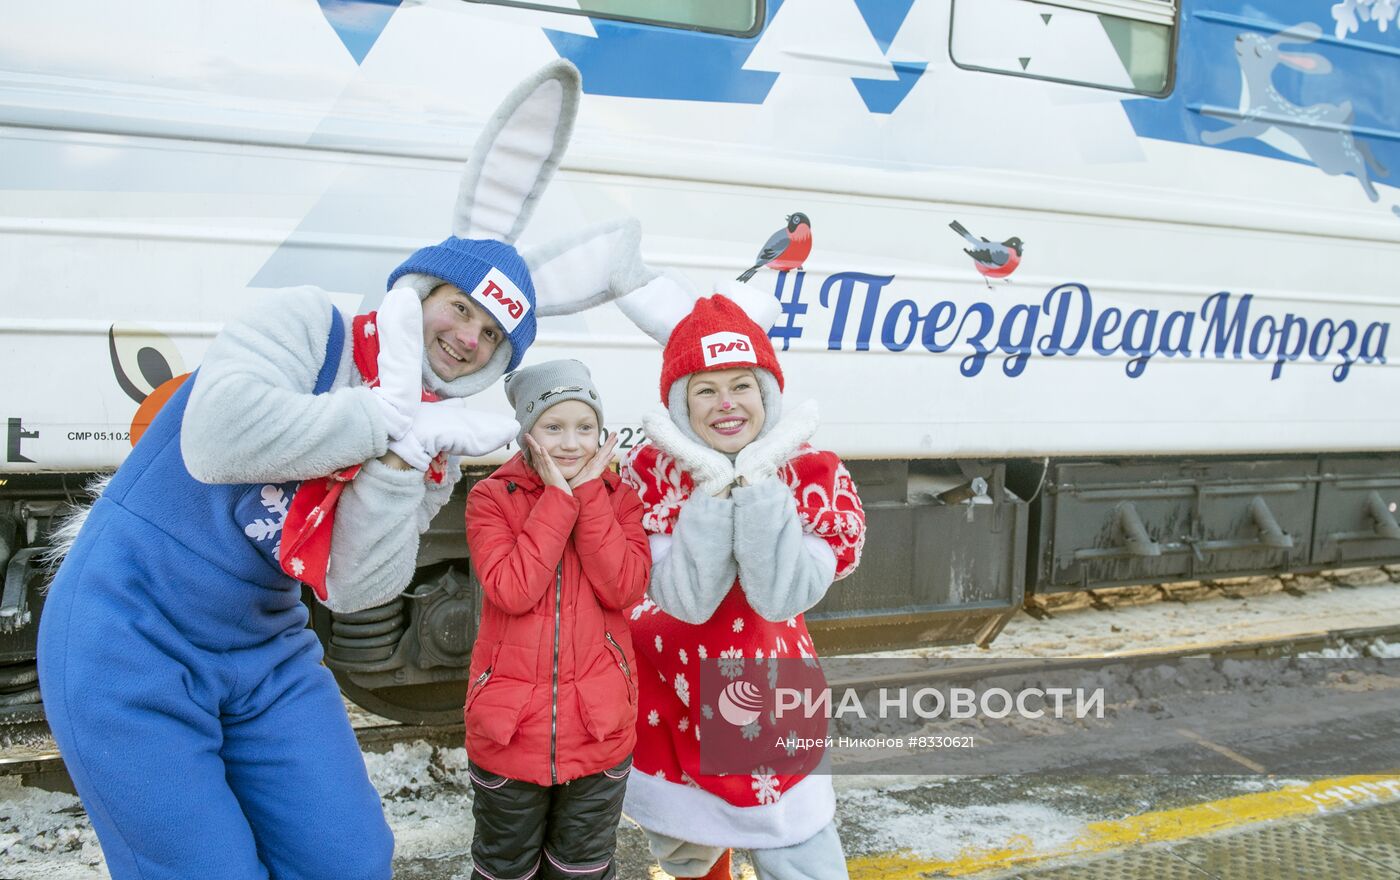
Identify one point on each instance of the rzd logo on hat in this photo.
(499, 295)
(726, 348)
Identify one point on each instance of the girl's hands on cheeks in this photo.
(594, 467)
(545, 466)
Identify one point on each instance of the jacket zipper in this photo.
(622, 663)
(554, 679)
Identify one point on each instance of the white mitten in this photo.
(399, 327)
(411, 449)
(761, 459)
(709, 469)
(448, 426)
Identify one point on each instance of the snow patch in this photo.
(932, 831)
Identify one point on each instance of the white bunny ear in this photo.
(760, 305)
(578, 272)
(659, 305)
(517, 154)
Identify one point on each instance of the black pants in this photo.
(555, 832)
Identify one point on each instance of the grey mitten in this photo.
(761, 459)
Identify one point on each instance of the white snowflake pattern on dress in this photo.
(682, 689)
(370, 329)
(683, 725)
(646, 606)
(765, 785)
(738, 625)
(685, 658)
(658, 644)
(731, 662)
(653, 718)
(702, 652)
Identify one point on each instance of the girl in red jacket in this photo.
(557, 543)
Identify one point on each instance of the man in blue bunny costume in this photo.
(181, 684)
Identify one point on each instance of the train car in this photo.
(1090, 292)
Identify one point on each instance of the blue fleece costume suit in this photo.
(185, 691)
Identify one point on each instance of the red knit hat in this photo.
(716, 335)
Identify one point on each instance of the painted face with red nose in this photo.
(726, 408)
(459, 336)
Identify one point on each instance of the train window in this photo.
(1123, 45)
(742, 18)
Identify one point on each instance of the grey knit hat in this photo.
(534, 389)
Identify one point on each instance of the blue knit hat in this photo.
(493, 274)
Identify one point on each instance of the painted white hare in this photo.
(1319, 133)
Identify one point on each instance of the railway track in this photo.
(41, 765)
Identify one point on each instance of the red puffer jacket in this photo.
(553, 693)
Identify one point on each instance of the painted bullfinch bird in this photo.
(992, 260)
(785, 249)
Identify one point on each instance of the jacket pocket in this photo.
(623, 666)
(479, 683)
(607, 695)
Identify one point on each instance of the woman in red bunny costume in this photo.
(749, 526)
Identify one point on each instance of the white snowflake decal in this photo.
(731, 662)
(682, 688)
(765, 786)
(750, 730)
(275, 501)
(685, 658)
(738, 625)
(297, 566)
(653, 718)
(683, 725)
(370, 329)
(658, 644)
(701, 651)
(707, 711)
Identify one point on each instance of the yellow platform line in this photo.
(1292, 802)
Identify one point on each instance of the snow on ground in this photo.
(1138, 619)
(45, 834)
(899, 818)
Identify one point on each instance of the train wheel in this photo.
(433, 703)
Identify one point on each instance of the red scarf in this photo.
(306, 534)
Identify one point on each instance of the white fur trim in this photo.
(821, 551)
(761, 459)
(760, 305)
(708, 469)
(661, 547)
(658, 306)
(517, 154)
(70, 523)
(695, 815)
